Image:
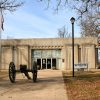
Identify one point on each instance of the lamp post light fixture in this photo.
(72, 21)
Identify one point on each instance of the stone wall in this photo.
(19, 51)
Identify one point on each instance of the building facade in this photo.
(50, 53)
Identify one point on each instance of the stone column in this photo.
(63, 58)
(92, 57)
(68, 57)
(76, 54)
(82, 54)
(14, 55)
(29, 57)
(88, 55)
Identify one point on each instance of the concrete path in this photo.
(49, 86)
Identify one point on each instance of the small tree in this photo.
(63, 33)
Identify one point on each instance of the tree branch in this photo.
(10, 5)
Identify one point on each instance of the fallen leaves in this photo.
(85, 86)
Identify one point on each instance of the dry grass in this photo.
(84, 86)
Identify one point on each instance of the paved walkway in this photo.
(49, 86)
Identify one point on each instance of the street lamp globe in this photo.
(72, 20)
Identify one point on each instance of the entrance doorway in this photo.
(43, 63)
(48, 63)
(47, 59)
(39, 63)
(54, 63)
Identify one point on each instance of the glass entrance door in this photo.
(39, 63)
(54, 63)
(48, 63)
(43, 63)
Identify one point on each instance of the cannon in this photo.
(23, 69)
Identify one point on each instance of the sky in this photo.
(33, 20)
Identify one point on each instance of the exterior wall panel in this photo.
(6, 57)
(22, 55)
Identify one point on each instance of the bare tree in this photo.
(88, 12)
(10, 5)
(88, 28)
(63, 33)
(90, 22)
(81, 6)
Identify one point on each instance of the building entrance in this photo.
(54, 63)
(47, 59)
(39, 63)
(45, 63)
(48, 63)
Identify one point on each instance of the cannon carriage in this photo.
(23, 69)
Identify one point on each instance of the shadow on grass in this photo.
(86, 76)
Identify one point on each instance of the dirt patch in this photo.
(49, 86)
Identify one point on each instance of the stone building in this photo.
(50, 52)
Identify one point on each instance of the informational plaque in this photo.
(79, 66)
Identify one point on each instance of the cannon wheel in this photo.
(34, 71)
(12, 72)
(34, 76)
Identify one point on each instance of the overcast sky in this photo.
(32, 20)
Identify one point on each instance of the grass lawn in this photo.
(84, 86)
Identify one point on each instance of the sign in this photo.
(78, 66)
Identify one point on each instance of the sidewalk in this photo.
(49, 86)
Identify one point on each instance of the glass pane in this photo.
(49, 54)
(59, 53)
(37, 53)
(56, 53)
(46, 54)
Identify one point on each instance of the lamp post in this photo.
(1, 28)
(0, 35)
(72, 21)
